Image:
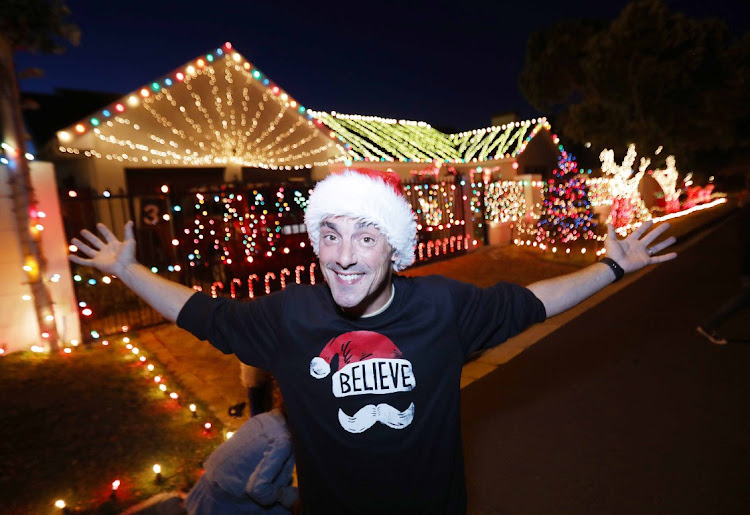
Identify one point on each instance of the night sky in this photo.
(452, 64)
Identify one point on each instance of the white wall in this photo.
(19, 329)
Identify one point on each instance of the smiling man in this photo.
(369, 363)
(356, 261)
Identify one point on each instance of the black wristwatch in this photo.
(616, 269)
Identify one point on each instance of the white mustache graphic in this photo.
(366, 417)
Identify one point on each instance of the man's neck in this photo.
(385, 306)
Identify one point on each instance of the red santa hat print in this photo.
(352, 347)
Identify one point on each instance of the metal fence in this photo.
(241, 240)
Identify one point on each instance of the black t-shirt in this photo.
(373, 402)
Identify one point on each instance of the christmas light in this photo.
(667, 179)
(250, 123)
(60, 504)
(627, 205)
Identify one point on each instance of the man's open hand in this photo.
(109, 255)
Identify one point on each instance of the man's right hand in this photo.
(110, 255)
(116, 257)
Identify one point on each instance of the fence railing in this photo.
(241, 240)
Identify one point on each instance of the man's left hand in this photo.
(638, 249)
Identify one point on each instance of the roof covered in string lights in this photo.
(219, 109)
(371, 138)
(216, 109)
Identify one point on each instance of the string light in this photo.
(252, 122)
(373, 138)
(627, 205)
(667, 179)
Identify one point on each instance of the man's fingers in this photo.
(93, 239)
(611, 232)
(79, 260)
(129, 230)
(108, 235)
(665, 257)
(83, 247)
(645, 226)
(655, 249)
(653, 235)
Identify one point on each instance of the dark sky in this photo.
(451, 64)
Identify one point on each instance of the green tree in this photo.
(650, 77)
(36, 26)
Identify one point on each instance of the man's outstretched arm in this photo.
(632, 253)
(116, 257)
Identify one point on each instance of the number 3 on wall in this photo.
(150, 214)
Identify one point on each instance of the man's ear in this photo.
(394, 256)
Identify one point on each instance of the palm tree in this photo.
(36, 26)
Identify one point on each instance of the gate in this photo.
(239, 240)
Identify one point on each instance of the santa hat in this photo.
(353, 347)
(369, 196)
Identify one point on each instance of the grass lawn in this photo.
(70, 424)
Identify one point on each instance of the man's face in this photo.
(356, 261)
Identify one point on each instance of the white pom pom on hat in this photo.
(370, 196)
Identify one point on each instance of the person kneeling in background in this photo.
(251, 472)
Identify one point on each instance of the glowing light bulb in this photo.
(157, 469)
(60, 504)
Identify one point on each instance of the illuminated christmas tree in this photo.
(566, 210)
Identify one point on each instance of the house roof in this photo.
(372, 138)
(219, 109)
(215, 109)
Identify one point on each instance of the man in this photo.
(369, 363)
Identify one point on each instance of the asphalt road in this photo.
(625, 409)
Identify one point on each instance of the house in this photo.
(219, 120)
